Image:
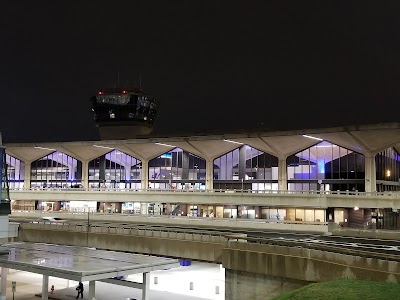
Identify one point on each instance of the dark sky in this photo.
(215, 65)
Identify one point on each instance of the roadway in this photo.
(351, 245)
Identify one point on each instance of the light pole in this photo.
(87, 232)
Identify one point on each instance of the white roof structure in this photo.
(78, 263)
(365, 139)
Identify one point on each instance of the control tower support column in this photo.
(282, 174)
(145, 174)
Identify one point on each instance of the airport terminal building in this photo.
(352, 161)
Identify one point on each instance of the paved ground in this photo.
(172, 284)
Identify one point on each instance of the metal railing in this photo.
(92, 217)
(395, 194)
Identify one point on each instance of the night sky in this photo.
(215, 65)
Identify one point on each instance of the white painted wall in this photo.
(4, 226)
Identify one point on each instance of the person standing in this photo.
(79, 288)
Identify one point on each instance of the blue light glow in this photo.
(321, 166)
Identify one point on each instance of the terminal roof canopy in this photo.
(365, 139)
(78, 263)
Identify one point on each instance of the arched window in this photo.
(115, 169)
(15, 172)
(177, 169)
(246, 168)
(326, 166)
(388, 170)
(56, 170)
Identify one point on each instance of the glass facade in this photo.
(246, 168)
(115, 169)
(3, 176)
(177, 169)
(326, 166)
(56, 170)
(388, 170)
(15, 172)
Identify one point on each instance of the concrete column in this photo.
(184, 209)
(209, 174)
(78, 176)
(370, 173)
(282, 175)
(92, 289)
(145, 174)
(85, 174)
(45, 287)
(146, 286)
(185, 164)
(71, 172)
(242, 162)
(27, 177)
(127, 172)
(102, 168)
(3, 283)
(17, 170)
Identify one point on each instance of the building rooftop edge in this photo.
(251, 133)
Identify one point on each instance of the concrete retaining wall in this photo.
(306, 264)
(162, 246)
(257, 224)
(241, 285)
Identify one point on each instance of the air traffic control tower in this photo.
(5, 207)
(123, 113)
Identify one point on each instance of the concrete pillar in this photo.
(27, 177)
(127, 172)
(102, 168)
(85, 174)
(71, 172)
(45, 287)
(185, 164)
(146, 286)
(242, 162)
(370, 173)
(282, 175)
(3, 283)
(209, 174)
(17, 166)
(78, 175)
(92, 289)
(184, 209)
(145, 174)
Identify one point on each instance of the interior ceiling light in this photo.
(44, 148)
(312, 137)
(229, 141)
(356, 208)
(161, 144)
(104, 147)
